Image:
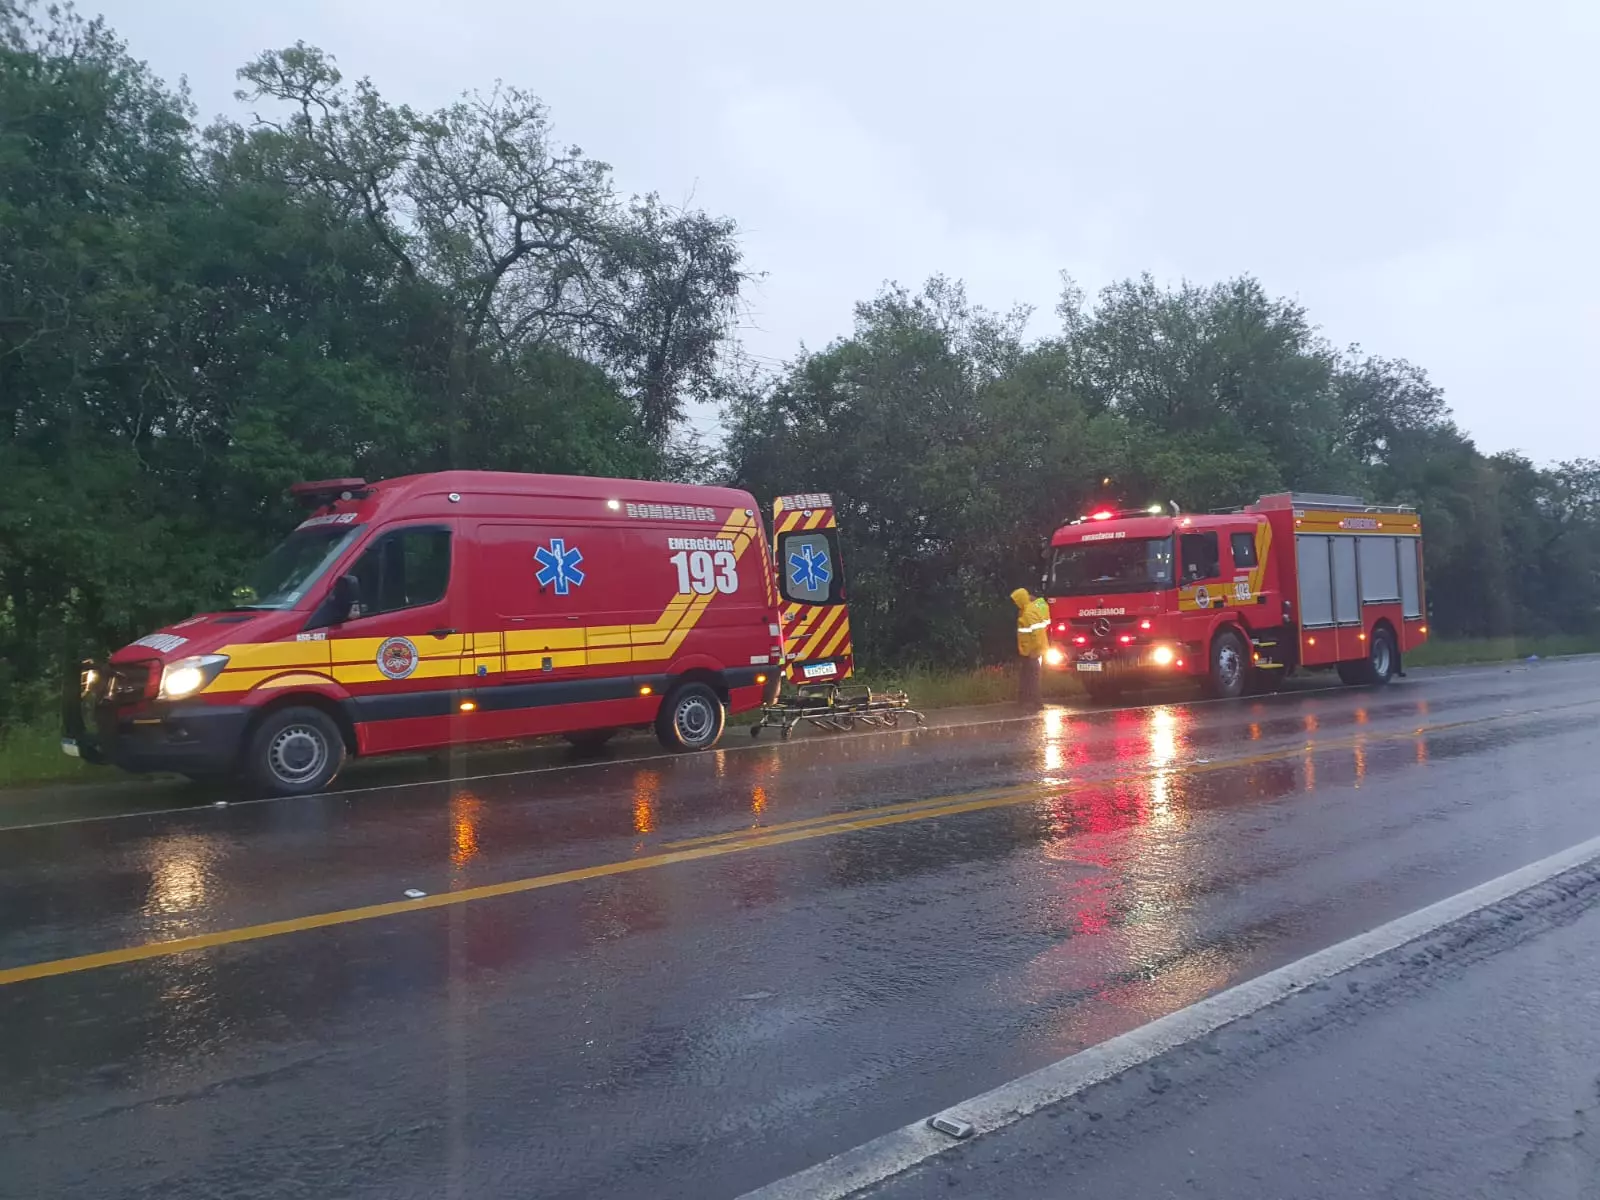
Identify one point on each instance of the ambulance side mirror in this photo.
(337, 606)
(346, 594)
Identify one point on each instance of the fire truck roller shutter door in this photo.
(1410, 578)
(1380, 570)
(1346, 597)
(1316, 579)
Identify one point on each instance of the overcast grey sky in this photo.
(1421, 175)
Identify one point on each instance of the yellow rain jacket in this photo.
(1033, 624)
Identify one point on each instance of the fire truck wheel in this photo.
(1378, 666)
(691, 718)
(1230, 666)
(294, 751)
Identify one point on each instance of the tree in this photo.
(526, 240)
(189, 325)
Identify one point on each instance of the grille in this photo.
(127, 681)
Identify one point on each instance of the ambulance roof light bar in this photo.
(314, 493)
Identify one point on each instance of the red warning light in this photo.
(1105, 514)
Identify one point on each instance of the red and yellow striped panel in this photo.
(811, 632)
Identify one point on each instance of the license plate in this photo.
(1090, 666)
(70, 747)
(819, 670)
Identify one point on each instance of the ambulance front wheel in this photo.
(294, 751)
(691, 718)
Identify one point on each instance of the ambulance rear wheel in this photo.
(294, 751)
(691, 718)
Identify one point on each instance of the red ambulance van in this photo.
(456, 607)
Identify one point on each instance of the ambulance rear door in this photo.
(811, 583)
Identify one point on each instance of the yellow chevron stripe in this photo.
(841, 635)
(820, 631)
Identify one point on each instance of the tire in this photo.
(1379, 665)
(1383, 659)
(692, 717)
(589, 741)
(294, 752)
(1230, 666)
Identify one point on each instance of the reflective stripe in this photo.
(1033, 628)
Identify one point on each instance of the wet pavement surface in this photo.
(1464, 1065)
(688, 976)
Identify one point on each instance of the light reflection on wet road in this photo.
(731, 965)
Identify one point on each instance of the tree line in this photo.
(192, 318)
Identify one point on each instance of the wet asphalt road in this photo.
(691, 976)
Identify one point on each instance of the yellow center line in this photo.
(752, 839)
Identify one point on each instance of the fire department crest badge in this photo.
(397, 658)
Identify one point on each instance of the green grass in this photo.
(32, 754)
(1458, 652)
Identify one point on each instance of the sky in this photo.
(1421, 176)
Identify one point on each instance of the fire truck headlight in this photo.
(1054, 656)
(1162, 656)
(190, 675)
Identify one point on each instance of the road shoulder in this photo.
(1466, 1063)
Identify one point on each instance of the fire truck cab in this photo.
(1237, 599)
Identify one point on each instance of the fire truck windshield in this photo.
(1123, 565)
(283, 576)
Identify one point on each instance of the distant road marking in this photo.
(884, 1157)
(718, 845)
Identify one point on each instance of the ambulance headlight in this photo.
(1055, 656)
(190, 675)
(1162, 656)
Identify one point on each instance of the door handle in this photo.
(442, 633)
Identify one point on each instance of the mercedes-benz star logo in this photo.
(1102, 627)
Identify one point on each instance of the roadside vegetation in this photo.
(194, 317)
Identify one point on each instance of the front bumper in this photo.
(1120, 661)
(185, 737)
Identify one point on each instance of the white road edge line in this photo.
(889, 1155)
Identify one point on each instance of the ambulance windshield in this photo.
(282, 578)
(1120, 565)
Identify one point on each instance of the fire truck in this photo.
(1237, 599)
(435, 610)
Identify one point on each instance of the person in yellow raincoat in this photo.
(1033, 639)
